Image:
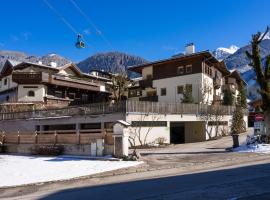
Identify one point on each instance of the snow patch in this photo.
(256, 148)
(20, 170)
(231, 50)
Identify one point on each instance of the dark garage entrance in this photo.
(177, 132)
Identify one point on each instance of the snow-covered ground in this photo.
(259, 148)
(19, 170)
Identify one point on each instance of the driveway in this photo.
(192, 154)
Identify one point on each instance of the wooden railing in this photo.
(85, 138)
(87, 109)
(122, 107)
(27, 77)
(175, 108)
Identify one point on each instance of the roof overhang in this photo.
(205, 54)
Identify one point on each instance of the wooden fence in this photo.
(56, 138)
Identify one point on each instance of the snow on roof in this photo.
(123, 122)
(14, 62)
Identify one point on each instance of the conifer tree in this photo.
(262, 71)
(228, 98)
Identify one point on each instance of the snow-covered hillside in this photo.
(221, 53)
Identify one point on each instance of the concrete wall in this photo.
(147, 71)
(68, 149)
(39, 90)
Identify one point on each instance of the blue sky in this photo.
(153, 29)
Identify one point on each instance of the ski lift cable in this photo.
(61, 17)
(64, 20)
(91, 23)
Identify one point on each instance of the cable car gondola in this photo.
(79, 44)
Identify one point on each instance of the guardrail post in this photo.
(36, 138)
(18, 137)
(55, 137)
(79, 138)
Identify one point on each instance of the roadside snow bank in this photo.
(256, 148)
(19, 170)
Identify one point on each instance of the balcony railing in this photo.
(146, 83)
(122, 107)
(27, 77)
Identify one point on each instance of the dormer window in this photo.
(180, 70)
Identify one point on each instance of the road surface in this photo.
(251, 182)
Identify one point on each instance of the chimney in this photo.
(190, 48)
(53, 64)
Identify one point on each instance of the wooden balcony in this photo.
(27, 77)
(146, 83)
(149, 98)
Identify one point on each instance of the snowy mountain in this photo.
(21, 56)
(221, 53)
(240, 62)
(110, 60)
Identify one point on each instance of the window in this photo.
(31, 93)
(189, 87)
(58, 94)
(149, 123)
(71, 95)
(180, 89)
(180, 70)
(84, 97)
(188, 68)
(163, 91)
(31, 87)
(5, 81)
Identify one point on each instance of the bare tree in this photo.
(119, 82)
(211, 114)
(140, 132)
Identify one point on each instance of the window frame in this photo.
(187, 85)
(189, 67)
(180, 72)
(162, 93)
(178, 89)
(31, 93)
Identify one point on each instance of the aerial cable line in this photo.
(66, 22)
(91, 23)
(61, 17)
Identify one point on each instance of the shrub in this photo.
(48, 150)
(160, 140)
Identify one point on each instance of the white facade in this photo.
(6, 83)
(24, 93)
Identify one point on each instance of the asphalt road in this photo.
(250, 182)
